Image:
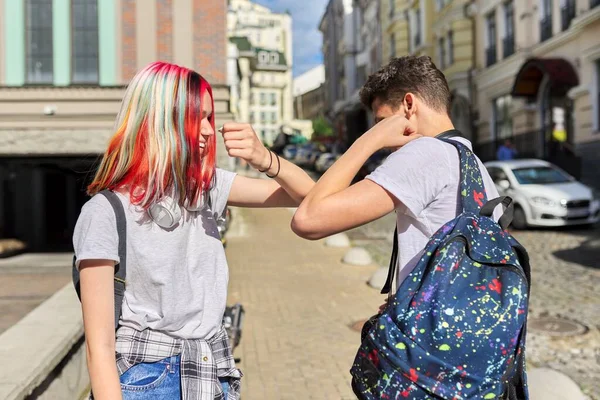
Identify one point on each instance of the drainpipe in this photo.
(470, 13)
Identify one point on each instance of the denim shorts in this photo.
(158, 380)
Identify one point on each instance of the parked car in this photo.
(325, 161)
(290, 151)
(544, 194)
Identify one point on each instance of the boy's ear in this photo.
(410, 105)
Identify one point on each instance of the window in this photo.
(450, 48)
(567, 13)
(252, 117)
(546, 20)
(442, 52)
(39, 59)
(85, 41)
(392, 8)
(263, 117)
(508, 43)
(417, 27)
(273, 99)
(497, 174)
(491, 39)
(540, 175)
(252, 98)
(594, 3)
(502, 118)
(598, 96)
(392, 45)
(263, 99)
(273, 117)
(440, 4)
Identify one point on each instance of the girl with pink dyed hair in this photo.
(160, 164)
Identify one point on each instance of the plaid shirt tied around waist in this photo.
(203, 362)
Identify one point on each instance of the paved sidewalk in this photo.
(28, 280)
(300, 302)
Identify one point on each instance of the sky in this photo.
(307, 40)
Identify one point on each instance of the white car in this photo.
(544, 194)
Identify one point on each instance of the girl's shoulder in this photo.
(97, 207)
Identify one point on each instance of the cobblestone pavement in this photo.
(565, 283)
(300, 302)
(28, 280)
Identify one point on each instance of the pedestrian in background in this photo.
(506, 151)
(170, 342)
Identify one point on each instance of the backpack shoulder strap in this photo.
(120, 269)
(387, 287)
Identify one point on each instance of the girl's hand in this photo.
(393, 132)
(242, 142)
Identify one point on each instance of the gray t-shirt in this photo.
(424, 176)
(176, 278)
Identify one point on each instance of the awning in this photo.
(560, 72)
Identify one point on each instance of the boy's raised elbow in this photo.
(303, 227)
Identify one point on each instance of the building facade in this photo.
(407, 27)
(369, 57)
(309, 94)
(331, 27)
(454, 54)
(352, 50)
(64, 65)
(538, 81)
(264, 46)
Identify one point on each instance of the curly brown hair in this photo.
(414, 74)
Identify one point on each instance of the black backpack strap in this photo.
(449, 134)
(488, 210)
(393, 261)
(120, 268)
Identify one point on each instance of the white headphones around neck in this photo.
(167, 212)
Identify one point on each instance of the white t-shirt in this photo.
(424, 176)
(176, 278)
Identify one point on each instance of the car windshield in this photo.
(540, 175)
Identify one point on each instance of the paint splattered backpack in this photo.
(456, 327)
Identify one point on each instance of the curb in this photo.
(46, 350)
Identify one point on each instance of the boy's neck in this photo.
(435, 125)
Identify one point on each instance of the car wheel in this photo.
(519, 219)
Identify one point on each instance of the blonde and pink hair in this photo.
(155, 149)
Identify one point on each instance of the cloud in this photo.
(307, 40)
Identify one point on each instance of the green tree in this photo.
(322, 128)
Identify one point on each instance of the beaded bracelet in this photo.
(270, 162)
(278, 167)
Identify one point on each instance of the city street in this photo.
(301, 301)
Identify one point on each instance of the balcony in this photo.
(490, 56)
(508, 46)
(546, 28)
(567, 13)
